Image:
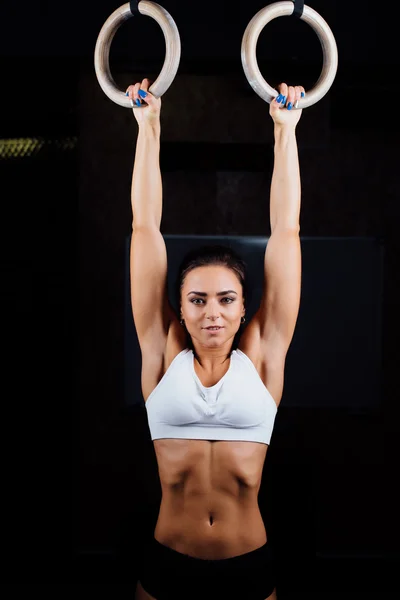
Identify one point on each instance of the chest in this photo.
(238, 400)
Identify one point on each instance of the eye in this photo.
(196, 300)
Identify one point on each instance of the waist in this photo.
(210, 527)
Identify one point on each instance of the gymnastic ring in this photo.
(106, 35)
(325, 35)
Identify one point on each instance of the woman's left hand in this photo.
(282, 108)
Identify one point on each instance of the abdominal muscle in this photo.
(209, 507)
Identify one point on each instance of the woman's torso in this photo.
(209, 506)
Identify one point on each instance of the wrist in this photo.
(284, 128)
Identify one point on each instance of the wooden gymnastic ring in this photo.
(325, 35)
(106, 35)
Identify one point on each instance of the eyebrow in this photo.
(219, 293)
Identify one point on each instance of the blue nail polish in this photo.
(283, 99)
(142, 93)
(302, 94)
(289, 106)
(127, 94)
(138, 102)
(279, 98)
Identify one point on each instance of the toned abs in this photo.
(209, 507)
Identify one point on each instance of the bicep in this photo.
(281, 290)
(148, 283)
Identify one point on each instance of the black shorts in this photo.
(167, 574)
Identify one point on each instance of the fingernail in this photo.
(138, 102)
(289, 106)
(279, 98)
(142, 93)
(302, 94)
(283, 99)
(127, 94)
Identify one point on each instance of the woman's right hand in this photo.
(150, 106)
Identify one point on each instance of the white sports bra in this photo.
(239, 407)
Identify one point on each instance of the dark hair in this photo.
(215, 254)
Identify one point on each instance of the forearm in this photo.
(285, 185)
(146, 190)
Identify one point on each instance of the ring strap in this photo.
(298, 8)
(134, 7)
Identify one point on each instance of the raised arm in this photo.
(276, 318)
(148, 256)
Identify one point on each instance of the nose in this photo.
(213, 311)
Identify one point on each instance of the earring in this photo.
(243, 319)
(182, 322)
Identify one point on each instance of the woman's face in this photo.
(212, 296)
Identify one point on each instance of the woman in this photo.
(211, 407)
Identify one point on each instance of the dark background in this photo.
(328, 493)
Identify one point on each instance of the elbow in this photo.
(286, 227)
